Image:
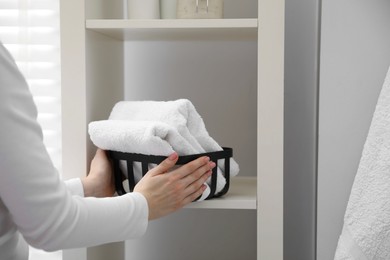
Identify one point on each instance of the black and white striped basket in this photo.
(145, 160)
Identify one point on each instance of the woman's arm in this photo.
(41, 206)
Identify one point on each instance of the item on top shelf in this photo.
(168, 9)
(199, 9)
(143, 9)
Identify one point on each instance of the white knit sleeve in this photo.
(42, 208)
(75, 186)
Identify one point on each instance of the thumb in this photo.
(165, 165)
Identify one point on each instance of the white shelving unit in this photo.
(88, 68)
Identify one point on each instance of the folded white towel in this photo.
(144, 137)
(366, 231)
(180, 114)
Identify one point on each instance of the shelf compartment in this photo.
(241, 195)
(175, 29)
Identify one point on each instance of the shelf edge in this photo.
(171, 23)
(239, 185)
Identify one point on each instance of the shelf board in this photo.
(175, 29)
(241, 195)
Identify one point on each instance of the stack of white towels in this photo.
(366, 230)
(157, 128)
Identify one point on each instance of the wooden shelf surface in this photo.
(175, 29)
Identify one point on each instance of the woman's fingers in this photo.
(100, 181)
(191, 167)
(199, 173)
(193, 175)
(193, 196)
(196, 184)
(165, 165)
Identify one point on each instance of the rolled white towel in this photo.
(181, 115)
(146, 137)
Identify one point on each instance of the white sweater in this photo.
(34, 202)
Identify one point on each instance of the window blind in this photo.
(29, 29)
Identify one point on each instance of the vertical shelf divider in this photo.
(270, 129)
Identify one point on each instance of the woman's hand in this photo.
(167, 192)
(100, 180)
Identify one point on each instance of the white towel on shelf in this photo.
(144, 137)
(180, 114)
(366, 231)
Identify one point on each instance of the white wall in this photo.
(355, 55)
(220, 79)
